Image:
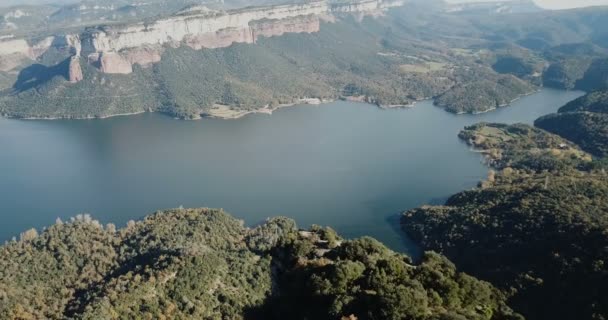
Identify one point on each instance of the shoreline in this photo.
(504, 105)
(77, 118)
(224, 112)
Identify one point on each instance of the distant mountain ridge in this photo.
(203, 61)
(115, 49)
(506, 6)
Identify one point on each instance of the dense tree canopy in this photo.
(583, 121)
(537, 228)
(541, 238)
(204, 264)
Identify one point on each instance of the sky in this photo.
(548, 4)
(555, 4)
(565, 4)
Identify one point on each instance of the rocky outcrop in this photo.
(111, 62)
(273, 28)
(365, 6)
(116, 49)
(189, 24)
(11, 61)
(112, 48)
(361, 9)
(219, 39)
(69, 44)
(14, 51)
(144, 56)
(75, 71)
(41, 47)
(355, 6)
(12, 46)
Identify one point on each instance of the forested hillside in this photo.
(523, 147)
(466, 61)
(204, 264)
(583, 121)
(536, 228)
(540, 238)
(375, 60)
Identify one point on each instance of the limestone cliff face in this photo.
(12, 46)
(111, 62)
(358, 6)
(75, 71)
(144, 56)
(201, 28)
(274, 28)
(188, 24)
(361, 9)
(219, 39)
(14, 51)
(116, 49)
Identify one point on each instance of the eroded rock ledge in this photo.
(116, 49)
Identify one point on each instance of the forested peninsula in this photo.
(537, 227)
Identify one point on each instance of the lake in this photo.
(350, 166)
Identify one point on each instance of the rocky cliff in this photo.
(75, 71)
(115, 49)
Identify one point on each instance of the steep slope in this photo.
(202, 263)
(593, 102)
(345, 58)
(540, 238)
(488, 93)
(386, 52)
(583, 121)
(536, 228)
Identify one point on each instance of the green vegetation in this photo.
(583, 121)
(489, 93)
(49, 95)
(589, 130)
(468, 62)
(593, 102)
(204, 264)
(596, 77)
(536, 228)
(540, 238)
(565, 73)
(523, 147)
(347, 58)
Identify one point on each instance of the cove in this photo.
(347, 165)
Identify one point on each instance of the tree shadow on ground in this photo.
(38, 74)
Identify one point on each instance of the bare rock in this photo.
(144, 56)
(75, 71)
(114, 63)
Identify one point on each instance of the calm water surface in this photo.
(350, 166)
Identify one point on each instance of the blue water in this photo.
(351, 166)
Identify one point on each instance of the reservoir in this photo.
(347, 165)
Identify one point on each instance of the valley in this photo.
(443, 160)
(256, 59)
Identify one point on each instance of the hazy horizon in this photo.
(552, 4)
(547, 4)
